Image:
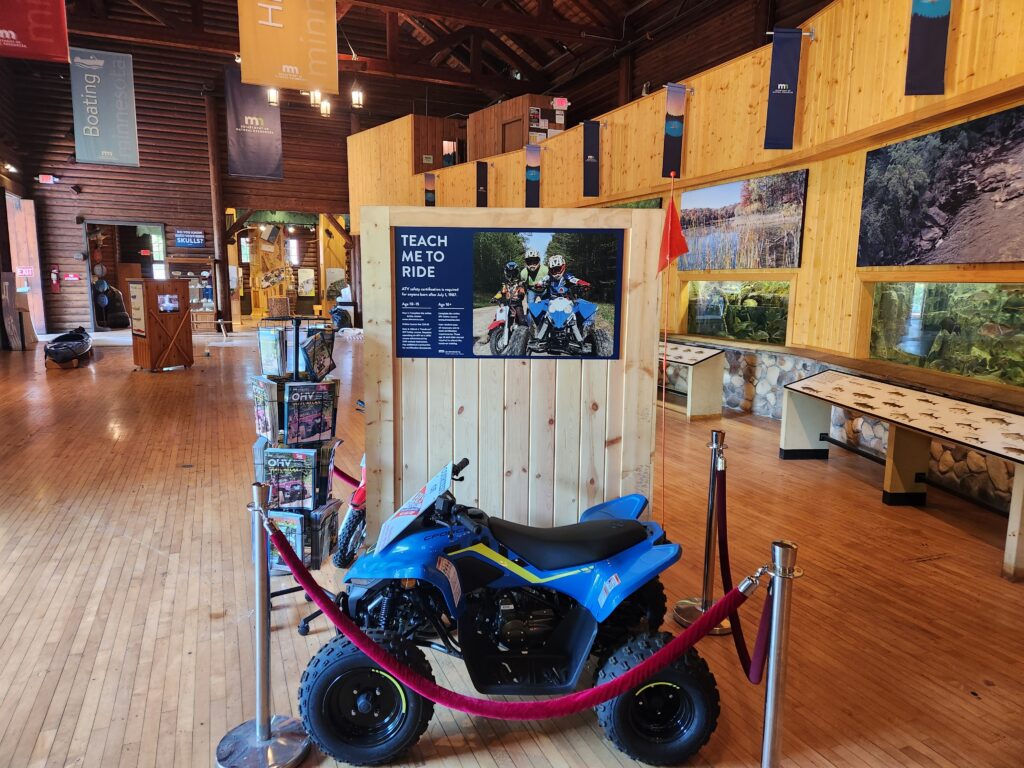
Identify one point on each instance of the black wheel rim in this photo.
(365, 706)
(661, 711)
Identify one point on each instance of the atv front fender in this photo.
(369, 570)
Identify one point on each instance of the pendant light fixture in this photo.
(315, 97)
(357, 96)
(273, 97)
(325, 108)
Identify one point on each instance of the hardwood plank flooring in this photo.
(126, 589)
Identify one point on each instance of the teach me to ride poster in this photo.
(463, 292)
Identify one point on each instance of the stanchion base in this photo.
(241, 748)
(688, 611)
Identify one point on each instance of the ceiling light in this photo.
(273, 97)
(314, 97)
(238, 58)
(325, 108)
(291, 228)
(357, 96)
(10, 168)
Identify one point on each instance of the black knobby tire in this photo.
(518, 341)
(667, 719)
(340, 680)
(642, 612)
(601, 343)
(495, 340)
(353, 530)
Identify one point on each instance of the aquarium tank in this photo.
(751, 310)
(970, 329)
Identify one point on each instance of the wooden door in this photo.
(512, 135)
(21, 220)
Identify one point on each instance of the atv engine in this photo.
(523, 618)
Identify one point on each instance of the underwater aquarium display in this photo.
(750, 224)
(752, 310)
(970, 329)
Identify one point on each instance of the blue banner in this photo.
(781, 117)
(926, 49)
(675, 120)
(254, 130)
(189, 238)
(103, 98)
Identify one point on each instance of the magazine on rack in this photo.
(265, 404)
(310, 410)
(273, 345)
(291, 525)
(325, 465)
(318, 351)
(291, 475)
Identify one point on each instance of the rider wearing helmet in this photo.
(534, 272)
(559, 275)
(512, 286)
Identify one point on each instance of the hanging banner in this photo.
(254, 130)
(591, 158)
(429, 189)
(781, 118)
(533, 176)
(103, 98)
(481, 183)
(289, 45)
(672, 151)
(926, 50)
(35, 30)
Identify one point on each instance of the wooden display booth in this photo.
(161, 323)
(546, 437)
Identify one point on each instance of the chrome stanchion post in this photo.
(689, 609)
(267, 741)
(784, 570)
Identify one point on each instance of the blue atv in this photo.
(565, 325)
(525, 609)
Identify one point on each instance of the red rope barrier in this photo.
(506, 710)
(753, 663)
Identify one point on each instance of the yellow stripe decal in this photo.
(651, 685)
(398, 685)
(518, 570)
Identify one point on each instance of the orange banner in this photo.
(289, 44)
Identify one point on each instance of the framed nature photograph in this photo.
(750, 224)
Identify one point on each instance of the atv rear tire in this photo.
(643, 612)
(517, 342)
(601, 343)
(356, 712)
(668, 718)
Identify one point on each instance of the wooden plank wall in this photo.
(484, 127)
(850, 101)
(545, 438)
(429, 135)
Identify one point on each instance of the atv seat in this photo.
(552, 548)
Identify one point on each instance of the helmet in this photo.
(556, 265)
(511, 270)
(532, 260)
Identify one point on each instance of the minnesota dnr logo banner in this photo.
(254, 130)
(103, 99)
(33, 29)
(289, 44)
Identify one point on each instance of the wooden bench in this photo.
(704, 367)
(915, 418)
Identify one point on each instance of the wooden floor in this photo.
(126, 595)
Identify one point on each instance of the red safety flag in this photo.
(673, 242)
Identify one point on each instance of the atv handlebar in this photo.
(459, 467)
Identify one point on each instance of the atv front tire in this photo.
(666, 719)
(356, 712)
(601, 343)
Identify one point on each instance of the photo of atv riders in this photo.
(543, 293)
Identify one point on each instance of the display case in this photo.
(161, 323)
(753, 310)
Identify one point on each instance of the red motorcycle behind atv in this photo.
(507, 333)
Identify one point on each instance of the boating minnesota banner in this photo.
(34, 30)
(254, 130)
(289, 45)
(532, 176)
(103, 99)
(591, 158)
(926, 49)
(785, 70)
(481, 183)
(672, 150)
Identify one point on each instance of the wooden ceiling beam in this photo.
(477, 16)
(441, 45)
(437, 75)
(391, 35)
(342, 7)
(150, 34)
(511, 55)
(599, 11)
(155, 11)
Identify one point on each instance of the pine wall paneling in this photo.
(850, 101)
(545, 438)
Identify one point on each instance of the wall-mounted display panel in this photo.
(754, 310)
(970, 329)
(955, 196)
(750, 224)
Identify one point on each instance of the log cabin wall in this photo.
(502, 127)
(429, 135)
(851, 100)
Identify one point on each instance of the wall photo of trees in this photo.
(954, 196)
(750, 224)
